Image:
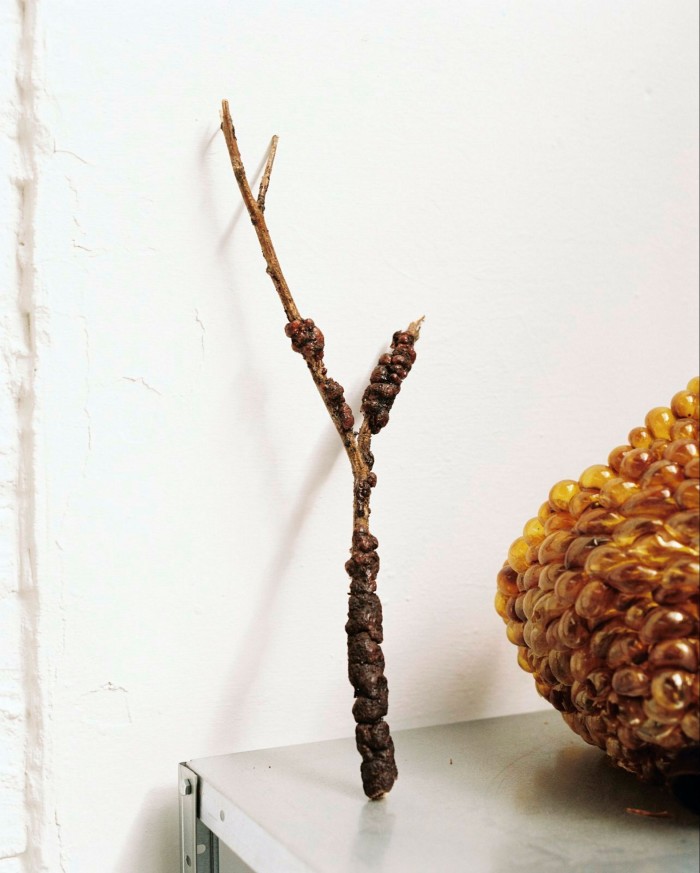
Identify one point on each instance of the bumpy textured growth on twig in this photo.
(366, 667)
(385, 381)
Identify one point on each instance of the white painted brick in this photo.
(10, 865)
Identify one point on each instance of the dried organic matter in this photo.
(364, 625)
(600, 594)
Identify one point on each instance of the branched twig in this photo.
(364, 625)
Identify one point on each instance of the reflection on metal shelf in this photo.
(520, 793)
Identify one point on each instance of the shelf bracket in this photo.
(199, 847)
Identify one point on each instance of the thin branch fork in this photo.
(364, 626)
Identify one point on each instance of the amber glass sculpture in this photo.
(600, 595)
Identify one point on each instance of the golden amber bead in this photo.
(625, 649)
(687, 495)
(579, 550)
(670, 689)
(596, 476)
(679, 654)
(517, 555)
(544, 511)
(560, 665)
(692, 468)
(523, 659)
(665, 623)
(501, 604)
(558, 521)
(584, 500)
(554, 546)
(533, 532)
(681, 452)
(595, 601)
(640, 438)
(685, 428)
(531, 577)
(507, 581)
(615, 491)
(694, 385)
(582, 662)
(685, 404)
(598, 522)
(635, 463)
(659, 421)
(615, 457)
(549, 574)
(568, 585)
(514, 631)
(662, 474)
(561, 494)
(630, 682)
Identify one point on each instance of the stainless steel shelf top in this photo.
(519, 793)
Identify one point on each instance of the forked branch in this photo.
(364, 625)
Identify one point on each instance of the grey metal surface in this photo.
(199, 847)
(520, 793)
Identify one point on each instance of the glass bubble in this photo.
(583, 662)
(616, 455)
(560, 665)
(568, 585)
(687, 495)
(582, 501)
(684, 428)
(692, 468)
(640, 438)
(630, 682)
(598, 522)
(662, 474)
(633, 465)
(507, 581)
(670, 690)
(681, 452)
(579, 550)
(554, 546)
(558, 521)
(685, 404)
(626, 650)
(596, 476)
(561, 493)
(664, 623)
(678, 654)
(659, 421)
(531, 576)
(595, 601)
(572, 629)
(603, 558)
(615, 491)
(517, 555)
(533, 532)
(514, 632)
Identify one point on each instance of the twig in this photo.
(265, 181)
(364, 625)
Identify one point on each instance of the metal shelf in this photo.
(519, 793)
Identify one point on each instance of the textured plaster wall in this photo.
(174, 502)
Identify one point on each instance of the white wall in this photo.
(525, 174)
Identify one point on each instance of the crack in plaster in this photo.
(202, 328)
(139, 380)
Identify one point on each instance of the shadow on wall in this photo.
(153, 842)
